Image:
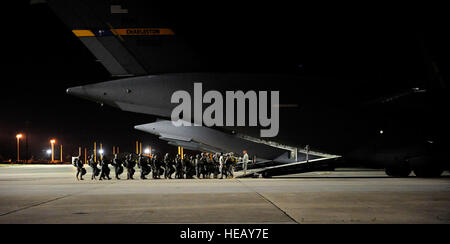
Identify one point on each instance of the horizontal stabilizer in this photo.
(142, 109)
(128, 39)
(168, 137)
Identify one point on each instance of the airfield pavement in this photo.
(51, 194)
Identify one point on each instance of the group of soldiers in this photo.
(204, 165)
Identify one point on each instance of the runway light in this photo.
(147, 151)
(381, 131)
(49, 151)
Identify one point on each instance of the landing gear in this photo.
(428, 166)
(420, 171)
(266, 175)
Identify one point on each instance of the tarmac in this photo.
(51, 194)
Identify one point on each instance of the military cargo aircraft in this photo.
(152, 50)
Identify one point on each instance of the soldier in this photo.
(245, 162)
(182, 165)
(229, 163)
(118, 168)
(143, 165)
(186, 166)
(210, 165)
(190, 168)
(196, 164)
(129, 164)
(200, 166)
(221, 160)
(207, 166)
(80, 169)
(224, 167)
(93, 165)
(104, 169)
(166, 165)
(170, 167)
(159, 164)
(154, 166)
(216, 164)
(203, 165)
(140, 164)
(179, 167)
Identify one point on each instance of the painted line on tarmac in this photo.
(51, 200)
(34, 205)
(268, 201)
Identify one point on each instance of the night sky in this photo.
(381, 45)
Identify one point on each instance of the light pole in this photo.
(52, 141)
(18, 136)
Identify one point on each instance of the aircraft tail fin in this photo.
(125, 37)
